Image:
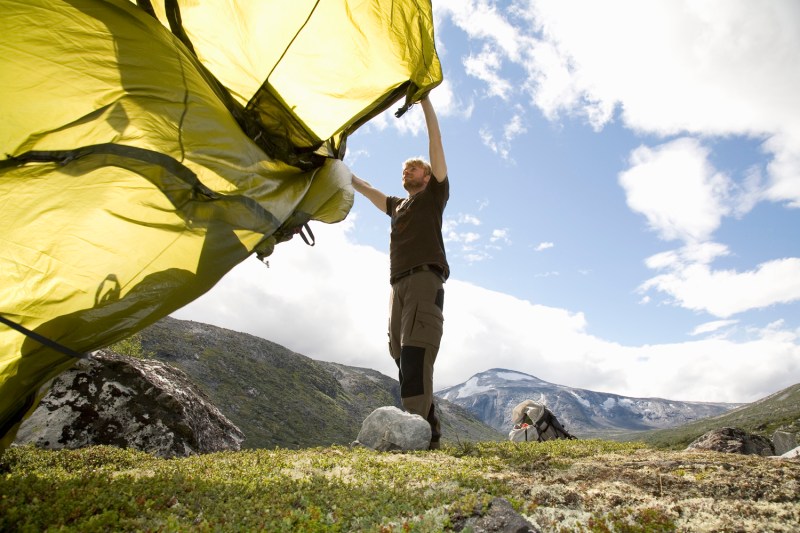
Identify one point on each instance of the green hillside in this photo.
(779, 411)
(281, 398)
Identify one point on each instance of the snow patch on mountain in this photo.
(472, 387)
(580, 399)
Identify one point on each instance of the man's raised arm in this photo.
(371, 193)
(435, 148)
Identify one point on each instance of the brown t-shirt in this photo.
(416, 237)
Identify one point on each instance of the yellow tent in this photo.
(151, 146)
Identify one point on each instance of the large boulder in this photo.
(123, 401)
(389, 428)
(733, 440)
(783, 441)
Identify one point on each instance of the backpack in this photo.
(535, 422)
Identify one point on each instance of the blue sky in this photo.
(624, 211)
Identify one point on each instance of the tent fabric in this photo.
(147, 154)
(316, 71)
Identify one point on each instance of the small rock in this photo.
(500, 518)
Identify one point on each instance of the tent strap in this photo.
(42, 339)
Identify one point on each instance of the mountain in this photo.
(778, 411)
(281, 398)
(491, 396)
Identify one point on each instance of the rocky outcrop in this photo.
(733, 440)
(783, 441)
(128, 402)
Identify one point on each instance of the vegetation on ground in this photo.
(132, 347)
(583, 485)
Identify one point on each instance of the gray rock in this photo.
(783, 441)
(733, 440)
(127, 402)
(389, 428)
(500, 518)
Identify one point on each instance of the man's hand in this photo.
(435, 148)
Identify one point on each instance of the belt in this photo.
(422, 268)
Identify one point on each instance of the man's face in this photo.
(414, 178)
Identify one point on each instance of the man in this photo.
(418, 270)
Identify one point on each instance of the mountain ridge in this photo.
(492, 394)
(278, 397)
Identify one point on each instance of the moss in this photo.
(558, 486)
(648, 520)
(132, 347)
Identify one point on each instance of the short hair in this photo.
(418, 161)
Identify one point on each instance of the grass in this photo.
(318, 489)
(559, 486)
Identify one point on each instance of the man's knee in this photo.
(412, 369)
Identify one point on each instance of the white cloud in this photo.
(543, 246)
(677, 190)
(353, 156)
(776, 331)
(468, 219)
(500, 235)
(710, 327)
(329, 302)
(712, 68)
(485, 67)
(672, 66)
(683, 197)
(512, 129)
(696, 253)
(465, 244)
(463, 237)
(784, 170)
(481, 20)
(489, 141)
(447, 103)
(724, 293)
(452, 232)
(471, 256)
